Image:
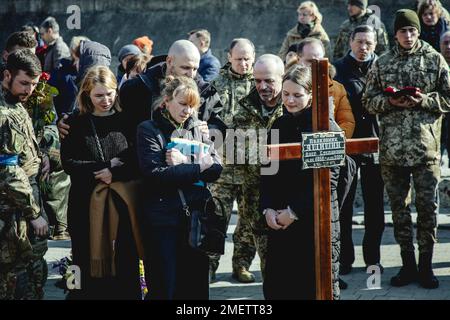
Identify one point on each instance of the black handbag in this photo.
(206, 224)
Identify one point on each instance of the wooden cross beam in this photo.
(322, 189)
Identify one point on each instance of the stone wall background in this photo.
(116, 23)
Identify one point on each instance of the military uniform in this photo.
(232, 87)
(55, 194)
(251, 227)
(55, 191)
(23, 271)
(410, 137)
(294, 36)
(342, 45)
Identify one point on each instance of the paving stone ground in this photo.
(227, 288)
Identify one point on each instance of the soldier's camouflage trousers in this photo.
(27, 284)
(398, 187)
(249, 236)
(56, 199)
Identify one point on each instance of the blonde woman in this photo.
(97, 151)
(175, 270)
(309, 24)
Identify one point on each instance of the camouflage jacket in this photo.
(409, 136)
(342, 45)
(231, 87)
(17, 138)
(293, 37)
(253, 117)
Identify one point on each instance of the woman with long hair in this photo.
(289, 211)
(97, 152)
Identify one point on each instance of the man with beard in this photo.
(56, 182)
(258, 110)
(23, 225)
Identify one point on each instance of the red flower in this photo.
(45, 76)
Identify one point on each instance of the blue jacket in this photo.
(209, 66)
(63, 78)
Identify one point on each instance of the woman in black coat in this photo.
(90, 162)
(174, 270)
(287, 201)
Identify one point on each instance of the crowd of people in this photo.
(87, 154)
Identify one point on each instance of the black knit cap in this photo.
(406, 18)
(359, 3)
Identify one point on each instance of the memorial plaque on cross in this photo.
(322, 188)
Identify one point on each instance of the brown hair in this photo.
(96, 75)
(424, 5)
(182, 84)
(26, 60)
(22, 39)
(138, 62)
(300, 75)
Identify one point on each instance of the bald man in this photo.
(138, 95)
(258, 110)
(233, 83)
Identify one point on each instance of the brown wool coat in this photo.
(342, 109)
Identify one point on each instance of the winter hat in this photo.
(406, 18)
(144, 43)
(129, 49)
(359, 3)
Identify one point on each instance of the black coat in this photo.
(353, 76)
(138, 95)
(292, 250)
(433, 34)
(162, 181)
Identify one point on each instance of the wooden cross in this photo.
(322, 189)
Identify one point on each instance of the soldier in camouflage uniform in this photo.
(55, 183)
(23, 225)
(410, 129)
(359, 15)
(258, 110)
(40, 107)
(234, 83)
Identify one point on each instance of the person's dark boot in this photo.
(427, 279)
(408, 272)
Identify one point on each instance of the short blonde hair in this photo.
(97, 75)
(185, 85)
(75, 44)
(313, 7)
